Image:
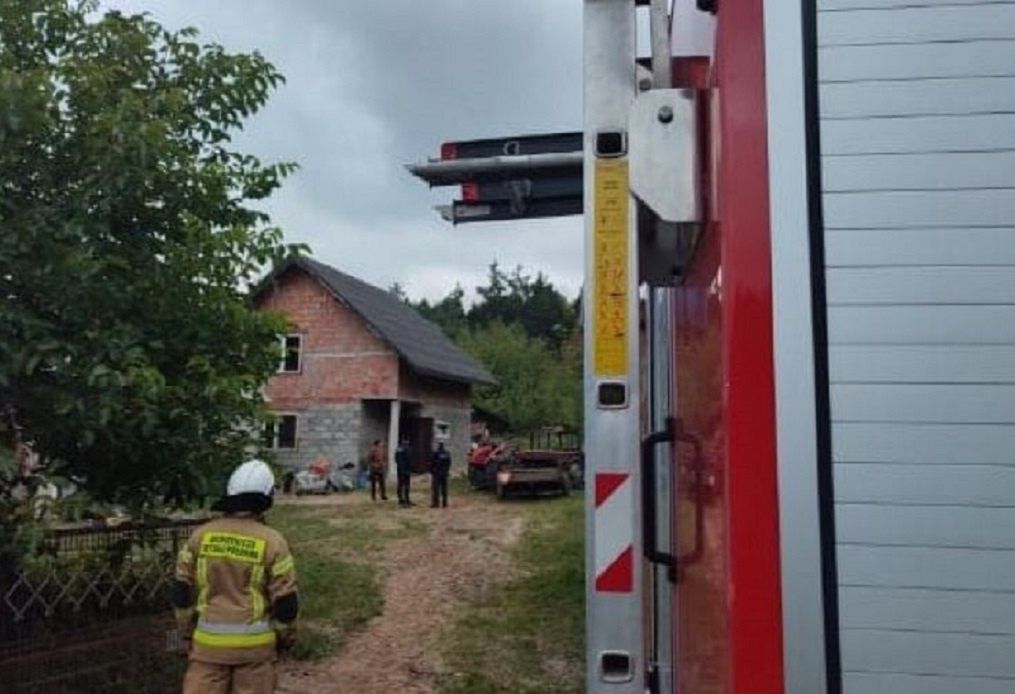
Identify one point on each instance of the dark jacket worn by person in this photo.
(403, 463)
(441, 465)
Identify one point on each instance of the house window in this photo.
(281, 433)
(291, 348)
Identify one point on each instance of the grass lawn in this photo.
(529, 636)
(340, 589)
(525, 636)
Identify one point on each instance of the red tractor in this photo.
(484, 461)
(552, 462)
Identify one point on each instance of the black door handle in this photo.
(648, 501)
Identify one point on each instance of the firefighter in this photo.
(440, 467)
(234, 592)
(403, 466)
(377, 463)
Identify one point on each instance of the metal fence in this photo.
(89, 613)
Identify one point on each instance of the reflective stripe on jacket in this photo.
(225, 635)
(238, 568)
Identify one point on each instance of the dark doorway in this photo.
(419, 431)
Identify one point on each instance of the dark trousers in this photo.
(404, 480)
(438, 489)
(377, 482)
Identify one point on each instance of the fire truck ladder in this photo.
(642, 211)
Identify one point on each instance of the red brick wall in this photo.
(342, 360)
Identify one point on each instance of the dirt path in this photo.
(462, 554)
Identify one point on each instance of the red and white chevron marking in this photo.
(614, 533)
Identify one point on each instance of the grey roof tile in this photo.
(423, 345)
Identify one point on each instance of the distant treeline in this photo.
(527, 333)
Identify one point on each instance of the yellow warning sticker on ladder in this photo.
(611, 273)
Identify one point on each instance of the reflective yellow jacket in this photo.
(238, 569)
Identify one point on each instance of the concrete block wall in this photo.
(460, 420)
(445, 401)
(376, 415)
(332, 432)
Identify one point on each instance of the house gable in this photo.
(342, 359)
(419, 342)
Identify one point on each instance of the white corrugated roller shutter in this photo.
(917, 106)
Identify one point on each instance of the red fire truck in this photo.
(800, 342)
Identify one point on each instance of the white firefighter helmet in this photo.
(252, 477)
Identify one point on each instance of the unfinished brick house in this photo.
(359, 365)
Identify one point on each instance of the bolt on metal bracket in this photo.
(662, 134)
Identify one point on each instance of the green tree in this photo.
(525, 331)
(533, 303)
(449, 313)
(547, 313)
(130, 355)
(397, 291)
(536, 386)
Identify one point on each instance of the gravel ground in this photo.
(464, 553)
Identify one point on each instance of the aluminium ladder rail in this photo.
(614, 601)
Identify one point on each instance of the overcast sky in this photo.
(374, 84)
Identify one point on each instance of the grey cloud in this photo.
(374, 84)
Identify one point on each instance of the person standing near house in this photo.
(403, 467)
(440, 468)
(234, 592)
(377, 463)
